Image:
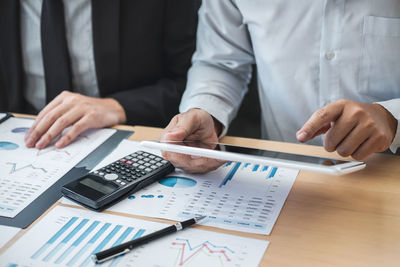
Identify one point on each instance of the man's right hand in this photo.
(195, 124)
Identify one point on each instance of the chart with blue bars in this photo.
(68, 236)
(76, 239)
(269, 171)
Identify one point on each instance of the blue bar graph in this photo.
(65, 240)
(272, 173)
(54, 238)
(246, 165)
(77, 242)
(101, 246)
(230, 175)
(255, 167)
(88, 244)
(116, 260)
(265, 168)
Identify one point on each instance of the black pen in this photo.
(110, 253)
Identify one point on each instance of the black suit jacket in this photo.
(142, 51)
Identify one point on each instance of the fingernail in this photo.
(60, 144)
(29, 142)
(40, 144)
(301, 136)
(195, 157)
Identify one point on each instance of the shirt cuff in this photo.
(215, 106)
(393, 106)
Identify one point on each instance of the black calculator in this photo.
(99, 189)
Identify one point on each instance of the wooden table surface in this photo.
(349, 220)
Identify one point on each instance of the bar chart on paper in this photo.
(237, 196)
(69, 237)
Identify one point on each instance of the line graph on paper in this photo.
(15, 169)
(187, 253)
(42, 152)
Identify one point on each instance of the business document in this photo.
(25, 173)
(69, 237)
(238, 196)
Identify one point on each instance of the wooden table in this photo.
(350, 220)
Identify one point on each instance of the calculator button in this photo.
(101, 173)
(123, 183)
(129, 162)
(118, 181)
(128, 157)
(153, 167)
(158, 164)
(111, 176)
(139, 152)
(123, 160)
(148, 170)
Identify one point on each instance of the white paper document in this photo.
(237, 196)
(2, 115)
(69, 236)
(7, 233)
(25, 173)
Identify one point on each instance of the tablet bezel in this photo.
(339, 169)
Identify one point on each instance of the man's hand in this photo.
(195, 124)
(352, 128)
(75, 110)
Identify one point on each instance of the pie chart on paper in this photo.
(177, 182)
(8, 146)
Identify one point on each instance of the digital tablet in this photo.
(257, 156)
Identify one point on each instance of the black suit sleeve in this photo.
(155, 104)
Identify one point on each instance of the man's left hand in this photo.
(352, 128)
(75, 110)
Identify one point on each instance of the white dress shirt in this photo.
(308, 54)
(78, 26)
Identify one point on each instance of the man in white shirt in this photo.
(324, 67)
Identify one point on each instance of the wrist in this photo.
(217, 127)
(118, 110)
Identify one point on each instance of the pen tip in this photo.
(200, 218)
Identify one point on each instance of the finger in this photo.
(80, 126)
(319, 119)
(338, 132)
(365, 149)
(323, 130)
(53, 104)
(44, 124)
(191, 165)
(182, 126)
(169, 131)
(352, 141)
(58, 127)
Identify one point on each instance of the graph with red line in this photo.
(187, 252)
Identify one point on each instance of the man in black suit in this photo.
(91, 64)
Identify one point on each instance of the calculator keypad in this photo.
(131, 168)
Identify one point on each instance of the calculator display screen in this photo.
(103, 188)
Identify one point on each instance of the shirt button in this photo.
(330, 55)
